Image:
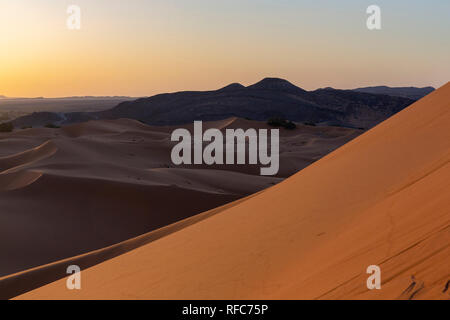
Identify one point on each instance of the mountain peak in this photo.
(275, 84)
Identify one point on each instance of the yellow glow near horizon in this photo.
(143, 48)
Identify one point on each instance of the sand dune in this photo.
(14, 162)
(96, 184)
(24, 281)
(17, 180)
(70, 191)
(381, 199)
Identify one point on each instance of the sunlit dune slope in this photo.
(382, 199)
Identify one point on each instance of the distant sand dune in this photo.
(77, 190)
(14, 162)
(11, 175)
(382, 199)
(17, 180)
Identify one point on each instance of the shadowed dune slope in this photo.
(21, 282)
(67, 192)
(382, 199)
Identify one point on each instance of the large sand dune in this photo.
(70, 191)
(382, 199)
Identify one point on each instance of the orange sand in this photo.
(383, 199)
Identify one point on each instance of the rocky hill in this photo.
(271, 97)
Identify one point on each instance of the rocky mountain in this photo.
(405, 92)
(271, 97)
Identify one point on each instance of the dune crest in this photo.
(18, 180)
(78, 190)
(15, 162)
(382, 199)
(13, 174)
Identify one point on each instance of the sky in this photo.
(145, 47)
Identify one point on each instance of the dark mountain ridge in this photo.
(271, 97)
(405, 92)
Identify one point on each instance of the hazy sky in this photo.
(143, 47)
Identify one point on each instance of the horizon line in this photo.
(117, 96)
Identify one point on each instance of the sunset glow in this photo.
(139, 48)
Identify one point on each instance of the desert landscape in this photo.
(87, 186)
(382, 198)
(54, 108)
(225, 158)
